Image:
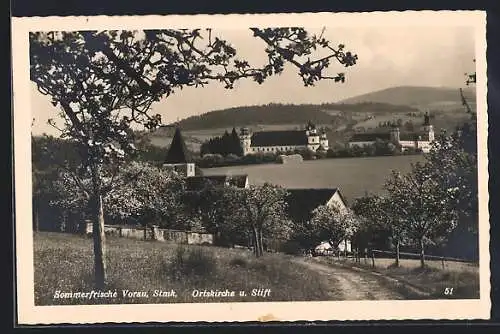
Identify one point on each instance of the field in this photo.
(353, 176)
(63, 262)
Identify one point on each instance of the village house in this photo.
(283, 141)
(418, 140)
(302, 203)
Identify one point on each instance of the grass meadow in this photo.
(64, 262)
(463, 278)
(354, 176)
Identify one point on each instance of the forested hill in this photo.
(270, 114)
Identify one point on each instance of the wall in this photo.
(141, 233)
(337, 200)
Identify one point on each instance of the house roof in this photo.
(411, 136)
(279, 138)
(302, 202)
(199, 182)
(178, 153)
(361, 137)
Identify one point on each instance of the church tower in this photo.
(395, 134)
(178, 158)
(245, 140)
(312, 136)
(428, 128)
(323, 141)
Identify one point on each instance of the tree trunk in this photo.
(261, 243)
(422, 255)
(255, 237)
(397, 253)
(98, 230)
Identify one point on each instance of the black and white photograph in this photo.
(251, 167)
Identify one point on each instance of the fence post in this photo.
(442, 262)
(373, 259)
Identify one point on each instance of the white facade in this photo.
(338, 201)
(424, 145)
(271, 149)
(184, 169)
(314, 142)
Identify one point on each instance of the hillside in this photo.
(419, 97)
(269, 114)
(368, 112)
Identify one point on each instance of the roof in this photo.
(279, 138)
(178, 153)
(411, 136)
(302, 202)
(369, 136)
(199, 182)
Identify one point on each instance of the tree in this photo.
(213, 205)
(50, 156)
(105, 82)
(331, 223)
(427, 211)
(148, 195)
(144, 195)
(262, 208)
(382, 214)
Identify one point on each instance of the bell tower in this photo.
(312, 136)
(178, 158)
(323, 141)
(428, 128)
(245, 140)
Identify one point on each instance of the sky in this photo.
(436, 56)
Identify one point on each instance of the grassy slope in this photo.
(64, 262)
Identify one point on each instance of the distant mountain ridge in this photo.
(414, 96)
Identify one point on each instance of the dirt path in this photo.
(350, 284)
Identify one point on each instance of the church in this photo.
(283, 141)
(179, 160)
(418, 140)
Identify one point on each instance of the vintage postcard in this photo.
(278, 167)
